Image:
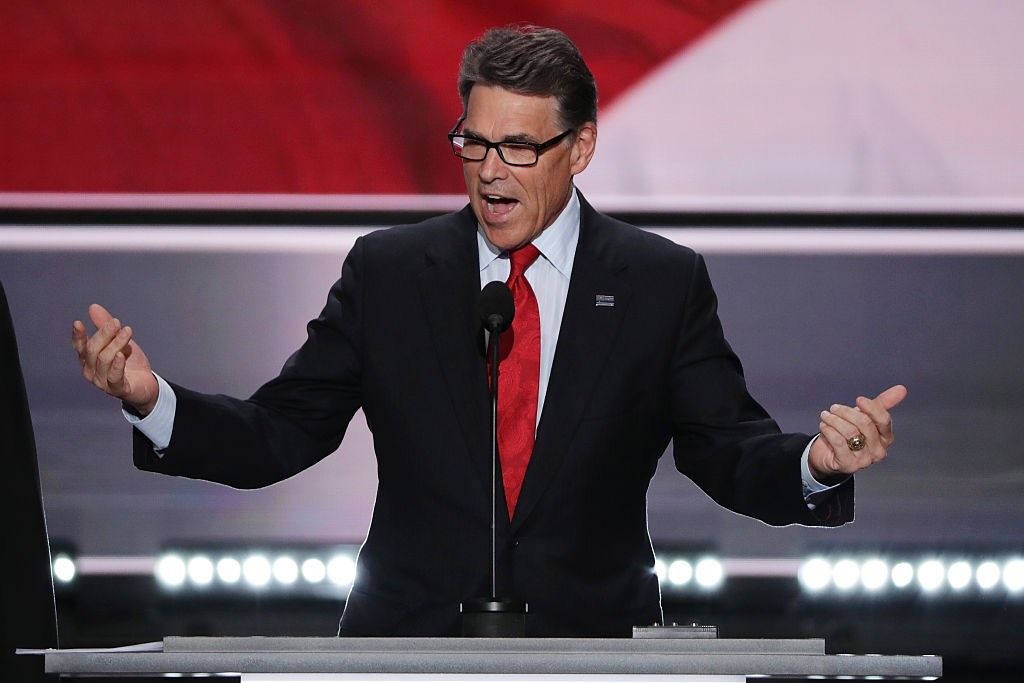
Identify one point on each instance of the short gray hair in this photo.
(532, 60)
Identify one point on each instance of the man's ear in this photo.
(583, 146)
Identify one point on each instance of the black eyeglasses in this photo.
(512, 153)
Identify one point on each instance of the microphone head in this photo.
(497, 309)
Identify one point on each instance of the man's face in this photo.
(513, 204)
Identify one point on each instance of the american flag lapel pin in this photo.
(604, 300)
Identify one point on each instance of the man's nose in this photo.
(492, 167)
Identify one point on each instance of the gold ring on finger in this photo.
(857, 443)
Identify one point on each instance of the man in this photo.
(616, 349)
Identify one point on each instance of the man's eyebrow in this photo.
(520, 137)
(513, 137)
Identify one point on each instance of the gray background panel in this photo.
(810, 330)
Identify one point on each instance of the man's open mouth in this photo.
(498, 205)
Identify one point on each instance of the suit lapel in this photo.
(584, 341)
(449, 286)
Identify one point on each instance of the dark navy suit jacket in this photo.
(400, 338)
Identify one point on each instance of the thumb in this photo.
(892, 397)
(98, 315)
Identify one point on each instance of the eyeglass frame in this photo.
(538, 147)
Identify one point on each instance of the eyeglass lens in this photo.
(511, 153)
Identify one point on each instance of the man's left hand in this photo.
(835, 455)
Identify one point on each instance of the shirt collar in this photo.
(556, 243)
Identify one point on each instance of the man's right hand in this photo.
(114, 363)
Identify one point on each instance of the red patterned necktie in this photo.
(518, 378)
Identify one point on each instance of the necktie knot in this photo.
(521, 259)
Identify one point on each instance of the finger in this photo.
(892, 397)
(97, 342)
(847, 460)
(861, 421)
(98, 315)
(115, 376)
(879, 415)
(78, 338)
(875, 444)
(844, 427)
(106, 356)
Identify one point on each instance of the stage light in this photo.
(959, 575)
(815, 574)
(930, 575)
(285, 570)
(341, 570)
(64, 569)
(256, 571)
(229, 570)
(680, 572)
(313, 570)
(845, 574)
(987, 575)
(902, 574)
(1013, 575)
(874, 574)
(709, 573)
(200, 570)
(171, 571)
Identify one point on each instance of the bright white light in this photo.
(170, 571)
(229, 570)
(256, 571)
(660, 570)
(709, 573)
(341, 570)
(959, 575)
(902, 574)
(313, 570)
(200, 570)
(63, 568)
(874, 574)
(680, 572)
(285, 570)
(987, 575)
(815, 574)
(1013, 575)
(846, 574)
(930, 575)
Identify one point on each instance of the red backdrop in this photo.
(276, 96)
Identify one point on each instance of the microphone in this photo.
(492, 616)
(497, 309)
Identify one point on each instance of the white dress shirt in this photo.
(548, 277)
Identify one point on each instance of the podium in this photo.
(497, 660)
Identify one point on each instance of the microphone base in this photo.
(493, 618)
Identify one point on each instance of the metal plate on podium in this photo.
(494, 660)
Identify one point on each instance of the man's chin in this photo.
(506, 237)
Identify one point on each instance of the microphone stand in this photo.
(494, 617)
(495, 339)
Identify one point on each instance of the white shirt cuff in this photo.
(811, 485)
(158, 425)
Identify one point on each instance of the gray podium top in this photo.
(485, 656)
